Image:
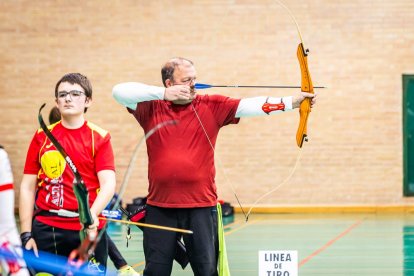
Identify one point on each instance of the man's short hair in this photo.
(167, 71)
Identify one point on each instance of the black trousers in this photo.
(202, 245)
(62, 242)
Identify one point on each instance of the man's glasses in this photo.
(186, 81)
(189, 81)
(74, 94)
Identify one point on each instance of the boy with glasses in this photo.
(113, 252)
(47, 182)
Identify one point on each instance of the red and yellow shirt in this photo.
(90, 149)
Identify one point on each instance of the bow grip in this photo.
(82, 195)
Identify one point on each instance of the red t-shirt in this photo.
(181, 169)
(90, 149)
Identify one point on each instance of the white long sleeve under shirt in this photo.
(130, 93)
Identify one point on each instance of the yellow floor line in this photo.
(242, 226)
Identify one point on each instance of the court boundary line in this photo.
(330, 242)
(238, 225)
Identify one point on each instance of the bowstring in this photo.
(218, 160)
(278, 186)
(300, 151)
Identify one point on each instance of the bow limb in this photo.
(134, 157)
(87, 247)
(306, 83)
(128, 172)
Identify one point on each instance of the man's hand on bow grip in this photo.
(298, 99)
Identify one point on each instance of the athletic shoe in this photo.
(127, 271)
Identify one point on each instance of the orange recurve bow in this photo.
(306, 86)
(304, 110)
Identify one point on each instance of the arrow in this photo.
(173, 229)
(206, 86)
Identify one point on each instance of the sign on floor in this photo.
(278, 263)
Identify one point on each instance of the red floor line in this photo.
(329, 243)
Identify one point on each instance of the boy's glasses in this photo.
(74, 94)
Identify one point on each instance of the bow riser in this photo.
(85, 217)
(306, 86)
